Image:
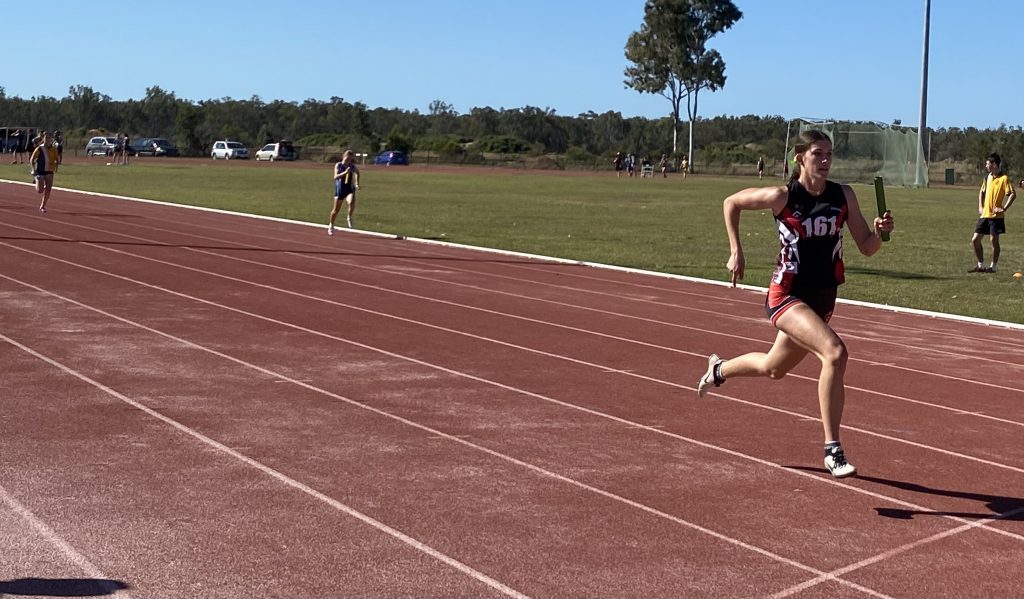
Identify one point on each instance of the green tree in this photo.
(186, 130)
(670, 55)
(396, 140)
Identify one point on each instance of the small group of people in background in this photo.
(20, 139)
(121, 150)
(623, 163)
(23, 145)
(627, 163)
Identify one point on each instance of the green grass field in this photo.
(668, 225)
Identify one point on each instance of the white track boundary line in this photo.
(939, 315)
(272, 473)
(83, 563)
(432, 431)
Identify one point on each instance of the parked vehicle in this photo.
(228, 150)
(100, 146)
(282, 150)
(390, 157)
(153, 146)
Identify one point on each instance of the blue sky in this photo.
(828, 59)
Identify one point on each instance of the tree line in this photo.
(194, 125)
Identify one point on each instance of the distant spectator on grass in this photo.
(760, 167)
(684, 166)
(118, 149)
(994, 199)
(125, 149)
(20, 143)
(58, 142)
(664, 166)
(617, 163)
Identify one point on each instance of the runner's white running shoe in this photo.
(835, 461)
(708, 380)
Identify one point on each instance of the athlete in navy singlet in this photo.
(810, 213)
(346, 183)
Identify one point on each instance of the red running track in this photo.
(198, 404)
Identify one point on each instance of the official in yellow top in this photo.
(994, 199)
(45, 160)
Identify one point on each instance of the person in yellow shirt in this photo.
(994, 199)
(44, 161)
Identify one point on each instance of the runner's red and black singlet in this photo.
(811, 255)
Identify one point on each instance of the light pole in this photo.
(922, 123)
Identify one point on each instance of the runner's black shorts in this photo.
(778, 300)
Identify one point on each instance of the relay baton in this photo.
(880, 199)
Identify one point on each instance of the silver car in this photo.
(100, 146)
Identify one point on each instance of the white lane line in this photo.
(760, 302)
(576, 329)
(634, 424)
(431, 431)
(552, 260)
(102, 581)
(891, 553)
(972, 381)
(276, 475)
(353, 307)
(488, 451)
(566, 327)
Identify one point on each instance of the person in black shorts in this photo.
(810, 212)
(617, 163)
(346, 183)
(20, 144)
(44, 161)
(994, 199)
(58, 143)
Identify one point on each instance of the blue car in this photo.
(390, 157)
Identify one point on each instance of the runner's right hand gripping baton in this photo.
(880, 199)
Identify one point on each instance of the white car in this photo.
(100, 146)
(277, 151)
(228, 150)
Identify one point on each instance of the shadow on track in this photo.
(60, 587)
(1000, 507)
